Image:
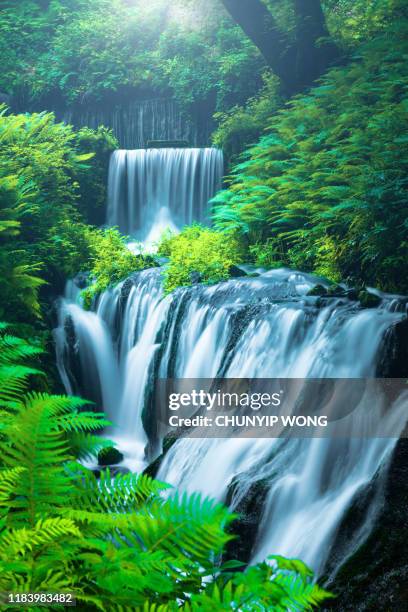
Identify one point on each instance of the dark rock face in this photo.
(109, 456)
(376, 576)
(236, 272)
(5, 98)
(245, 527)
(195, 278)
(368, 300)
(82, 280)
(393, 362)
(153, 468)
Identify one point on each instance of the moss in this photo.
(199, 253)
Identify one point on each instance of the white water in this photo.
(256, 327)
(264, 327)
(135, 123)
(152, 189)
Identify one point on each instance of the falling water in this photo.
(136, 123)
(262, 327)
(151, 189)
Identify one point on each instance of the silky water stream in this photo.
(264, 326)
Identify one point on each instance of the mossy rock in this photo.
(336, 291)
(196, 278)
(368, 300)
(317, 290)
(109, 456)
(236, 272)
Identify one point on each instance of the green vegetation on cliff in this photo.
(325, 189)
(52, 180)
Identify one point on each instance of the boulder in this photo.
(109, 456)
(236, 272)
(195, 278)
(368, 300)
(318, 291)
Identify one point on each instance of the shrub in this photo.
(326, 187)
(42, 237)
(93, 176)
(110, 261)
(198, 251)
(241, 126)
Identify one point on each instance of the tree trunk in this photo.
(260, 26)
(314, 50)
(298, 65)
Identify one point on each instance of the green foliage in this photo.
(42, 238)
(326, 188)
(208, 60)
(89, 50)
(114, 542)
(353, 21)
(110, 261)
(93, 176)
(241, 126)
(198, 251)
(281, 585)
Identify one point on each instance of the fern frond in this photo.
(20, 541)
(8, 480)
(123, 493)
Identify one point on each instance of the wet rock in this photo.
(153, 468)
(393, 361)
(246, 526)
(166, 144)
(236, 272)
(317, 290)
(368, 300)
(126, 289)
(336, 291)
(109, 456)
(351, 294)
(195, 278)
(81, 280)
(376, 576)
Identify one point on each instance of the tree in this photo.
(297, 64)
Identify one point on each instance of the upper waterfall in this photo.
(151, 189)
(137, 122)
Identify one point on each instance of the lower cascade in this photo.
(151, 189)
(258, 327)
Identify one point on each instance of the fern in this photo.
(114, 541)
(325, 188)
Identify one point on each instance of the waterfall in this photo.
(137, 122)
(151, 189)
(263, 327)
